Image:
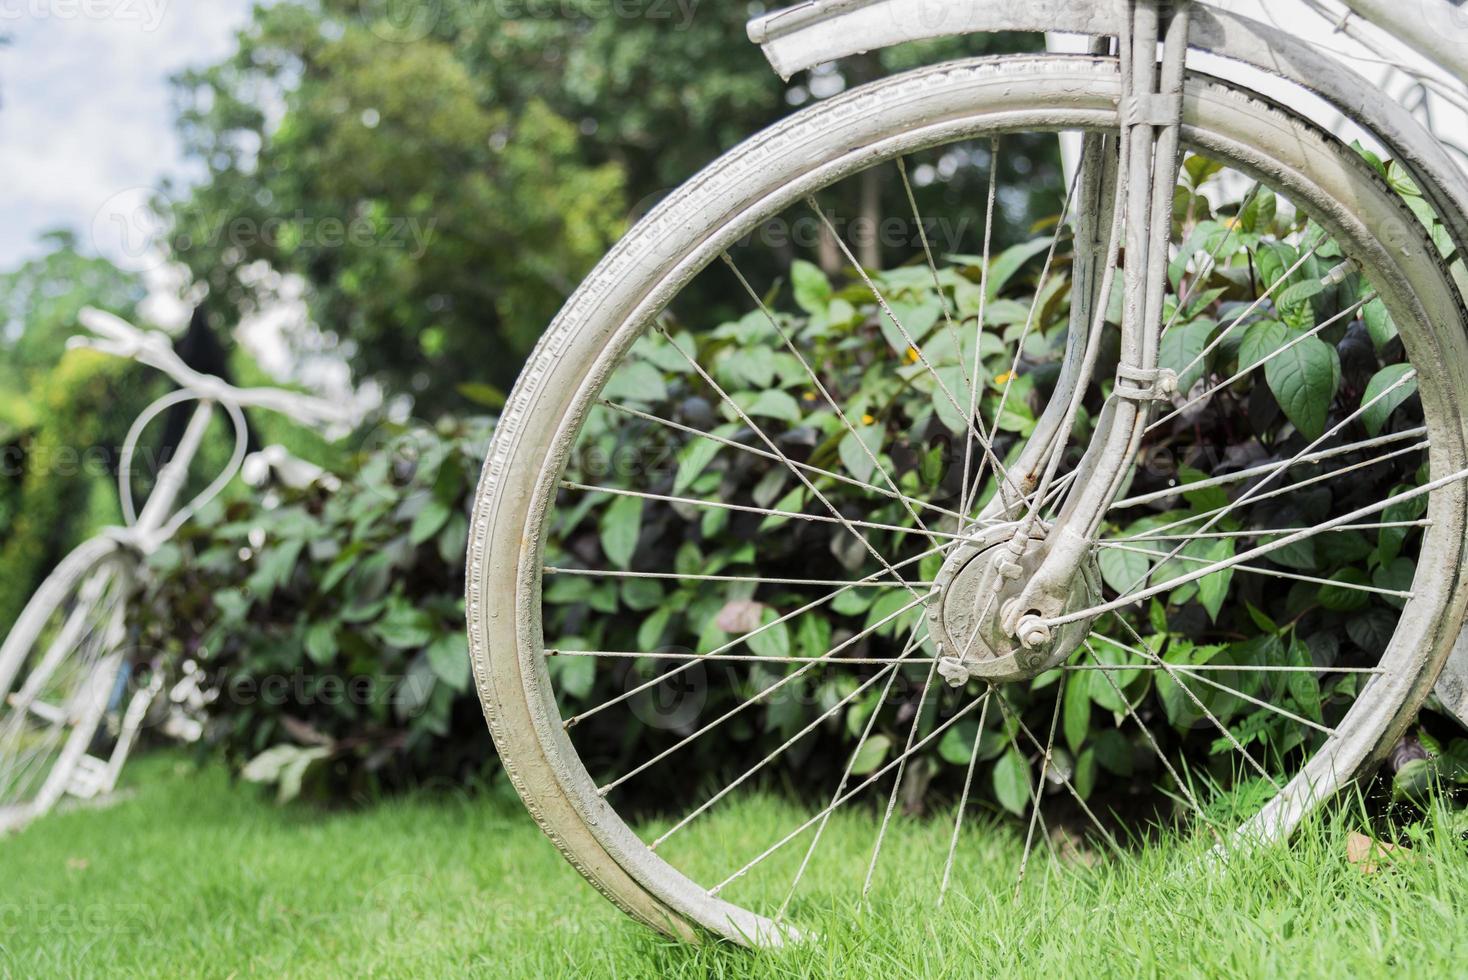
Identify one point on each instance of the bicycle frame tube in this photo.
(175, 472)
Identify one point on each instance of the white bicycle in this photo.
(66, 666)
(1038, 563)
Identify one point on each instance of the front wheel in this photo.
(61, 666)
(743, 524)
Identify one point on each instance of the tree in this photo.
(437, 229)
(486, 155)
(39, 302)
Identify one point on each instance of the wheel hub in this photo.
(977, 588)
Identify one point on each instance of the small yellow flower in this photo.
(912, 355)
(809, 396)
(1005, 378)
(867, 419)
(1231, 222)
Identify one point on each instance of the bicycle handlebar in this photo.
(114, 335)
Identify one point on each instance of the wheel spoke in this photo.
(1024, 862)
(970, 380)
(922, 356)
(1140, 651)
(1271, 572)
(763, 511)
(763, 454)
(968, 780)
(968, 444)
(892, 665)
(1131, 713)
(1253, 492)
(912, 731)
(1206, 270)
(1284, 277)
(765, 438)
(825, 394)
(731, 644)
(1182, 669)
(1245, 371)
(1256, 532)
(747, 579)
(1265, 469)
(1030, 317)
(836, 796)
(752, 658)
(764, 855)
(1263, 549)
(1013, 716)
(766, 692)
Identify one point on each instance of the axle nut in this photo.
(1033, 632)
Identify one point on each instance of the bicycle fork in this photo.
(1038, 573)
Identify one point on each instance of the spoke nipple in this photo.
(953, 671)
(1166, 383)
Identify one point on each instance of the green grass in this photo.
(195, 876)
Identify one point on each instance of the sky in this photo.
(87, 136)
(86, 125)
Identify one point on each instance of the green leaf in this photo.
(1304, 380)
(1396, 575)
(1114, 752)
(636, 381)
(1077, 714)
(650, 631)
(403, 626)
(1260, 340)
(813, 635)
(870, 756)
(693, 459)
(430, 520)
(486, 395)
(1413, 782)
(886, 608)
(1372, 629)
(772, 641)
(1212, 589)
(321, 641)
(1181, 345)
(1011, 778)
(854, 457)
(576, 676)
(957, 743)
(449, 657)
(916, 319)
(1339, 599)
(812, 288)
(1011, 260)
(772, 403)
(1085, 774)
(1375, 417)
(621, 525)
(1379, 323)
(1303, 687)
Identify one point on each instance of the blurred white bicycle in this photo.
(66, 665)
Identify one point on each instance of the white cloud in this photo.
(85, 111)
